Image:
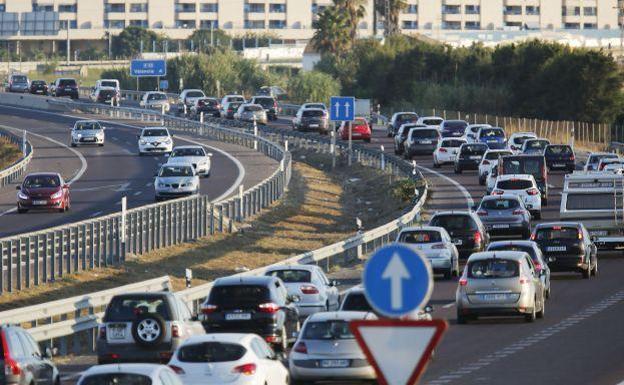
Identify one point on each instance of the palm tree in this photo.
(394, 8)
(354, 12)
(331, 35)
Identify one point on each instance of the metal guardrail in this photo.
(16, 170)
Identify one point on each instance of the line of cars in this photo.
(58, 88)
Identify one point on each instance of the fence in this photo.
(16, 170)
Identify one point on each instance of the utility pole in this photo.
(68, 43)
(620, 9)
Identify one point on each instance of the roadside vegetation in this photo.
(9, 153)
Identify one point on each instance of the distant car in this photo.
(23, 362)
(493, 137)
(354, 299)
(315, 291)
(209, 106)
(155, 140)
(231, 109)
(516, 140)
(144, 327)
(499, 283)
(327, 350)
(436, 245)
(228, 358)
(105, 91)
(398, 119)
(505, 215)
(534, 146)
(594, 159)
(421, 141)
(467, 231)
(136, 374)
(187, 98)
(43, 191)
(360, 130)
(534, 165)
(155, 100)
(18, 83)
(469, 156)
(523, 186)
(308, 106)
(531, 248)
(430, 120)
(87, 132)
(274, 91)
(269, 104)
(447, 150)
(175, 180)
(471, 131)
(311, 119)
(227, 100)
(251, 304)
(38, 87)
(604, 162)
(560, 157)
(193, 155)
(401, 136)
(251, 112)
(567, 247)
(453, 128)
(616, 168)
(489, 161)
(65, 87)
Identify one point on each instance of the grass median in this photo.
(320, 208)
(9, 153)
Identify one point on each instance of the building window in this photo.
(473, 25)
(115, 8)
(254, 24)
(254, 8)
(73, 24)
(210, 7)
(2, 8)
(410, 24)
(571, 11)
(138, 23)
(138, 7)
(513, 10)
(571, 26)
(42, 8)
(277, 24)
(209, 24)
(451, 25)
(590, 11)
(513, 24)
(473, 9)
(185, 24)
(451, 9)
(185, 7)
(67, 8)
(532, 10)
(277, 8)
(590, 26)
(412, 9)
(114, 24)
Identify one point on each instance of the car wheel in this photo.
(149, 329)
(73, 144)
(448, 274)
(540, 314)
(461, 318)
(435, 163)
(57, 381)
(532, 315)
(396, 152)
(538, 215)
(587, 273)
(595, 269)
(101, 144)
(140, 153)
(21, 211)
(547, 293)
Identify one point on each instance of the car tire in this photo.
(155, 335)
(461, 319)
(532, 315)
(73, 144)
(101, 144)
(540, 314)
(21, 211)
(435, 164)
(448, 274)
(594, 271)
(586, 273)
(140, 153)
(457, 170)
(538, 215)
(547, 293)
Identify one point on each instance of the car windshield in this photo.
(454, 222)
(514, 184)
(356, 302)
(558, 150)
(522, 139)
(327, 330)
(493, 268)
(253, 108)
(87, 126)
(531, 166)
(194, 151)
(239, 294)
(19, 79)
(313, 113)
(291, 276)
(452, 143)
(454, 125)
(424, 134)
(195, 94)
(124, 309)
(108, 84)
(67, 82)
(239, 99)
(38, 82)
(157, 132)
(557, 232)
(321, 106)
(536, 144)
(474, 149)
(175, 171)
(597, 158)
(402, 118)
(211, 352)
(492, 132)
(42, 181)
(432, 122)
(265, 102)
(420, 236)
(116, 379)
(493, 155)
(156, 97)
(500, 204)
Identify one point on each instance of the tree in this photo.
(312, 86)
(205, 40)
(331, 35)
(393, 9)
(128, 42)
(353, 11)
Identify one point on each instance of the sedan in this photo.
(436, 245)
(43, 190)
(360, 130)
(505, 215)
(193, 155)
(39, 87)
(123, 374)
(87, 132)
(173, 181)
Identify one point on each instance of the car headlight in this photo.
(167, 141)
(159, 184)
(57, 194)
(142, 142)
(100, 134)
(22, 196)
(78, 136)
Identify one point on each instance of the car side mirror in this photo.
(428, 309)
(138, 136)
(18, 187)
(210, 154)
(294, 298)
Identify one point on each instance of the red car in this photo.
(43, 190)
(360, 130)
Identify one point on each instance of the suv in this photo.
(18, 83)
(398, 119)
(527, 164)
(144, 327)
(268, 103)
(560, 156)
(65, 87)
(421, 140)
(311, 119)
(258, 305)
(469, 156)
(21, 360)
(465, 228)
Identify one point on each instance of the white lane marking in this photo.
(95, 214)
(461, 188)
(123, 187)
(448, 305)
(114, 138)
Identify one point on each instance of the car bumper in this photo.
(468, 164)
(440, 265)
(93, 140)
(160, 149)
(174, 193)
(563, 264)
(310, 370)
(502, 228)
(560, 165)
(66, 93)
(445, 158)
(30, 205)
(113, 353)
(524, 304)
(425, 149)
(312, 127)
(263, 329)
(309, 309)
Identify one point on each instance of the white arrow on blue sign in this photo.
(397, 280)
(342, 108)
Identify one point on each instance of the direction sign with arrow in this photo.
(342, 108)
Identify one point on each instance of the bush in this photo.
(404, 189)
(313, 86)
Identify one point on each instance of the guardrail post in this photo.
(241, 191)
(332, 148)
(255, 131)
(383, 158)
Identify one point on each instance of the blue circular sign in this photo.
(397, 280)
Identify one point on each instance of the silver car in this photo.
(18, 83)
(436, 245)
(176, 180)
(499, 283)
(87, 132)
(505, 215)
(315, 291)
(327, 350)
(155, 100)
(194, 155)
(248, 112)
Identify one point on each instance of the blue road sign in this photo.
(397, 280)
(156, 67)
(164, 85)
(341, 108)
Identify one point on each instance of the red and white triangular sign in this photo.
(398, 350)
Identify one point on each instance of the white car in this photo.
(447, 150)
(194, 155)
(227, 358)
(188, 98)
(307, 106)
(516, 140)
(430, 120)
(593, 160)
(155, 100)
(489, 160)
(227, 99)
(152, 374)
(604, 162)
(105, 90)
(155, 140)
(354, 299)
(471, 131)
(524, 186)
(436, 245)
(615, 168)
(490, 179)
(87, 132)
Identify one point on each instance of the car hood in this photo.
(40, 192)
(175, 179)
(186, 160)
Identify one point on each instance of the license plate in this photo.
(501, 226)
(475, 157)
(492, 297)
(425, 142)
(598, 233)
(117, 333)
(334, 363)
(457, 241)
(89, 139)
(237, 316)
(314, 125)
(558, 164)
(40, 202)
(556, 248)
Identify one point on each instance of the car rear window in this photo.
(558, 150)
(265, 102)
(38, 82)
(454, 222)
(522, 139)
(425, 134)
(420, 236)
(253, 108)
(235, 99)
(156, 97)
(602, 201)
(320, 106)
(291, 276)
(527, 249)
(557, 232)
(536, 144)
(211, 352)
(195, 94)
(452, 143)
(116, 379)
(313, 113)
(239, 294)
(493, 155)
(67, 82)
(474, 149)
(514, 184)
(108, 84)
(234, 106)
(327, 330)
(432, 122)
(455, 125)
(493, 268)
(406, 118)
(19, 79)
(209, 102)
(127, 308)
(597, 158)
(492, 132)
(356, 302)
(500, 204)
(530, 165)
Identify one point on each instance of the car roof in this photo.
(426, 228)
(562, 224)
(452, 212)
(220, 337)
(430, 117)
(403, 113)
(263, 97)
(144, 294)
(292, 267)
(601, 153)
(154, 128)
(448, 139)
(498, 150)
(244, 280)
(524, 133)
(155, 92)
(499, 197)
(516, 176)
(41, 173)
(341, 316)
(86, 121)
(506, 254)
(422, 128)
(187, 146)
(519, 242)
(145, 369)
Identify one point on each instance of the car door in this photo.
(45, 368)
(330, 290)
(532, 274)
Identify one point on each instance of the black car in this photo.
(567, 246)
(560, 157)
(527, 164)
(209, 106)
(66, 87)
(469, 156)
(259, 305)
(453, 128)
(38, 87)
(269, 104)
(466, 230)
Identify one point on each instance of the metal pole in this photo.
(68, 43)
(350, 143)
(122, 235)
(383, 158)
(24, 143)
(255, 128)
(332, 148)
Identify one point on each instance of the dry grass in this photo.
(319, 209)
(9, 153)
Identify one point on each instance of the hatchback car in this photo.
(43, 191)
(447, 150)
(231, 109)
(493, 137)
(87, 132)
(401, 136)
(567, 246)
(18, 83)
(465, 228)
(453, 128)
(505, 215)
(38, 87)
(126, 374)
(471, 131)
(531, 248)
(327, 350)
(360, 130)
(231, 102)
(269, 104)
(534, 146)
(22, 361)
(469, 157)
(594, 159)
(209, 106)
(489, 161)
(228, 358)
(144, 327)
(259, 305)
(315, 291)
(499, 283)
(155, 140)
(155, 100)
(534, 165)
(354, 299)
(175, 180)
(436, 245)
(522, 186)
(560, 157)
(251, 112)
(604, 162)
(516, 140)
(193, 155)
(65, 87)
(311, 119)
(430, 121)
(187, 99)
(421, 140)
(398, 119)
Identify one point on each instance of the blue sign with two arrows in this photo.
(342, 108)
(156, 67)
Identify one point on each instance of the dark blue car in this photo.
(494, 137)
(453, 128)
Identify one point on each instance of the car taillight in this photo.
(524, 281)
(463, 282)
(532, 236)
(103, 332)
(175, 331)
(486, 162)
(268, 307)
(246, 369)
(498, 192)
(580, 236)
(533, 191)
(309, 289)
(572, 157)
(443, 150)
(208, 308)
(482, 213)
(301, 348)
(177, 369)
(477, 237)
(518, 212)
